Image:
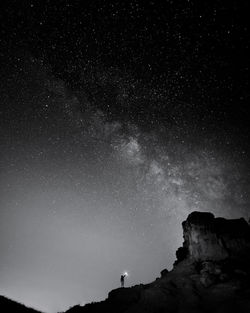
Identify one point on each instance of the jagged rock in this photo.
(210, 238)
(164, 272)
(211, 268)
(181, 254)
(207, 279)
(211, 274)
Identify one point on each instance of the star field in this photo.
(117, 121)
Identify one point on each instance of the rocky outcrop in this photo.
(210, 238)
(211, 274)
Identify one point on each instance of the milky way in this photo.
(108, 143)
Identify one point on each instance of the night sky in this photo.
(117, 119)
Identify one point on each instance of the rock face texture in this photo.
(210, 238)
(211, 274)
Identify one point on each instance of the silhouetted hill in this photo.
(9, 306)
(211, 274)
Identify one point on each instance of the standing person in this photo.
(122, 280)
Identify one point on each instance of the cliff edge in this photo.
(211, 274)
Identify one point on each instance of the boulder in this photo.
(164, 272)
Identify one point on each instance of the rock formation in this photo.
(210, 238)
(211, 274)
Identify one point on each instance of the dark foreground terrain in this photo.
(211, 275)
(9, 306)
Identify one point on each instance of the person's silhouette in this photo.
(122, 280)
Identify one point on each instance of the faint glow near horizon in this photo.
(82, 199)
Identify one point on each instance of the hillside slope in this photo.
(10, 306)
(211, 274)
